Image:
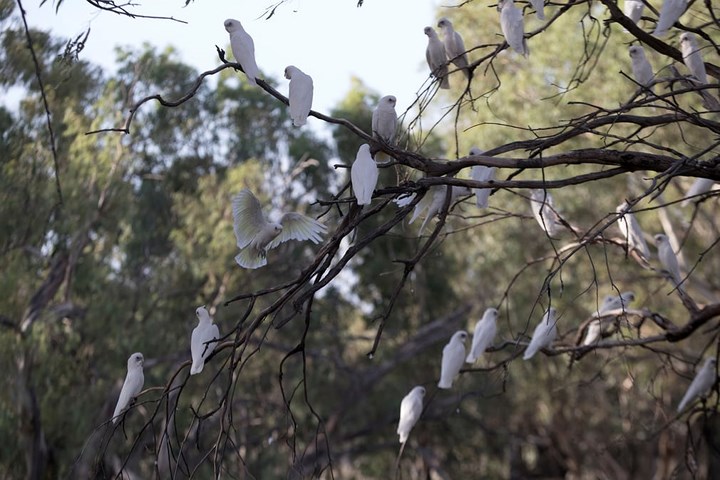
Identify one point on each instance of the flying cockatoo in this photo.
(701, 384)
(454, 46)
(544, 211)
(300, 94)
(453, 356)
(384, 119)
(256, 235)
(615, 302)
(539, 6)
(692, 57)
(667, 258)
(633, 9)
(630, 228)
(483, 335)
(670, 12)
(131, 387)
(243, 49)
(410, 409)
(699, 186)
(511, 23)
(436, 59)
(433, 202)
(544, 334)
(641, 68)
(200, 341)
(364, 175)
(593, 333)
(481, 173)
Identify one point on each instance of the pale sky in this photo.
(381, 42)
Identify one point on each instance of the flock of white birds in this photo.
(255, 234)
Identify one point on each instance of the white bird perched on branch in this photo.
(512, 26)
(667, 258)
(132, 386)
(543, 210)
(481, 173)
(692, 57)
(454, 46)
(364, 175)
(436, 58)
(701, 384)
(484, 334)
(243, 49)
(201, 344)
(411, 408)
(633, 9)
(670, 12)
(300, 94)
(256, 235)
(453, 356)
(630, 228)
(434, 200)
(384, 123)
(615, 302)
(544, 334)
(641, 68)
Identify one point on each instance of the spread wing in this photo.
(423, 204)
(298, 227)
(248, 219)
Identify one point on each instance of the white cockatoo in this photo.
(243, 49)
(544, 211)
(481, 173)
(256, 235)
(692, 57)
(592, 334)
(512, 26)
(633, 9)
(641, 68)
(484, 334)
(701, 384)
(433, 202)
(453, 356)
(630, 228)
(615, 302)
(411, 408)
(667, 258)
(454, 46)
(364, 175)
(300, 94)
(670, 12)
(539, 6)
(436, 58)
(384, 119)
(134, 381)
(200, 341)
(544, 334)
(699, 186)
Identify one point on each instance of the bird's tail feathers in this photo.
(197, 368)
(250, 258)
